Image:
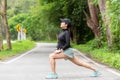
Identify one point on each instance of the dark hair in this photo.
(67, 21)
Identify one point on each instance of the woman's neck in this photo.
(64, 29)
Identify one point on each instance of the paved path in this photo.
(34, 65)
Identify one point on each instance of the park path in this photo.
(34, 65)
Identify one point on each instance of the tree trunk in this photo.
(48, 36)
(106, 22)
(3, 12)
(92, 21)
(102, 8)
(1, 38)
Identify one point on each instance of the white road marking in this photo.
(14, 59)
(114, 72)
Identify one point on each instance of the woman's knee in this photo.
(51, 56)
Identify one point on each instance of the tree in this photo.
(53, 10)
(113, 17)
(106, 21)
(1, 38)
(3, 6)
(92, 20)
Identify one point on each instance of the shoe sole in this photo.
(51, 78)
(97, 75)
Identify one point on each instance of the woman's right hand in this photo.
(57, 51)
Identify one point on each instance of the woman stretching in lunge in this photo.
(64, 51)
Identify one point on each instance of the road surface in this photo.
(34, 65)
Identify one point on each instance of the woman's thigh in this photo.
(58, 56)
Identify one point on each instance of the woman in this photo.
(64, 51)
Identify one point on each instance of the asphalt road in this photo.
(34, 65)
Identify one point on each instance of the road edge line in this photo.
(16, 58)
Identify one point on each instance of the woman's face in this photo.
(63, 25)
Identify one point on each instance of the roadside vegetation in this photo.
(17, 48)
(102, 55)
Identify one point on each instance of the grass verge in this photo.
(102, 55)
(17, 48)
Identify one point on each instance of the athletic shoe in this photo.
(52, 76)
(96, 73)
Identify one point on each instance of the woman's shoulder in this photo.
(66, 31)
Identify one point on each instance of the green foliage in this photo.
(43, 18)
(95, 43)
(113, 13)
(37, 24)
(16, 7)
(17, 12)
(50, 12)
(14, 21)
(41, 30)
(106, 57)
(17, 48)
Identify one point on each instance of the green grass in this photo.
(17, 48)
(103, 55)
